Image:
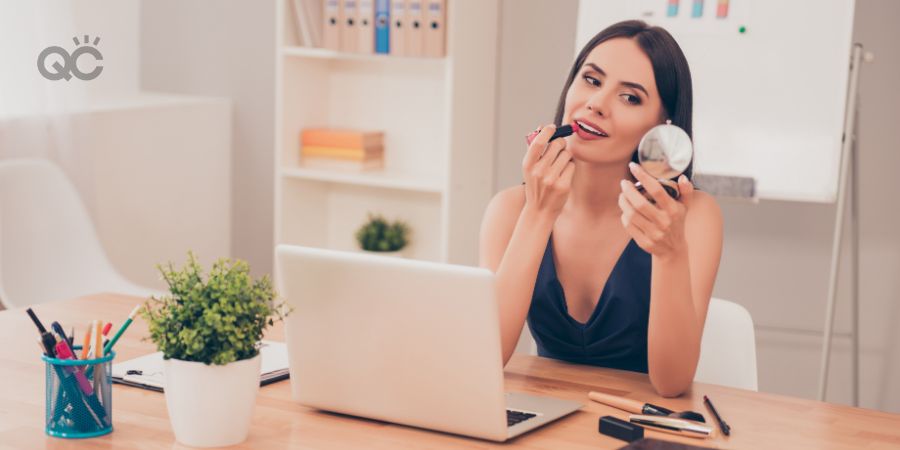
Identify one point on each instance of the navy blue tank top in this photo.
(615, 335)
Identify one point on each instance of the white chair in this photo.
(728, 347)
(727, 350)
(526, 344)
(48, 247)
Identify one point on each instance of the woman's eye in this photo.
(592, 80)
(632, 99)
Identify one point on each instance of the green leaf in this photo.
(216, 320)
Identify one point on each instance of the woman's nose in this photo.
(599, 103)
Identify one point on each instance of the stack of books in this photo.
(342, 149)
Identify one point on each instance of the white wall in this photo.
(776, 255)
(536, 51)
(224, 48)
(27, 28)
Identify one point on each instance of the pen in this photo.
(87, 343)
(98, 339)
(91, 339)
(58, 329)
(121, 330)
(47, 339)
(726, 430)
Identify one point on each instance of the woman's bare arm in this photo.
(517, 226)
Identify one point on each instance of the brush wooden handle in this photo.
(625, 404)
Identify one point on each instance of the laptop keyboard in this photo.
(514, 417)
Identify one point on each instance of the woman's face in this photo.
(615, 94)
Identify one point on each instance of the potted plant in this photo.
(378, 235)
(209, 332)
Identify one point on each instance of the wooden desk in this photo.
(758, 420)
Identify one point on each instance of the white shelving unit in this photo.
(438, 117)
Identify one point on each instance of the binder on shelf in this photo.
(313, 9)
(349, 35)
(398, 27)
(365, 26)
(415, 38)
(435, 28)
(302, 24)
(332, 24)
(382, 26)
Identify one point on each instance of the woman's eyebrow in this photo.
(630, 84)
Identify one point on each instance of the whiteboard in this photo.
(769, 102)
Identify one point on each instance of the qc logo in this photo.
(69, 66)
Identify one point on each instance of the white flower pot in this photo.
(210, 405)
(395, 253)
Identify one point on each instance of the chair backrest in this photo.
(526, 344)
(48, 247)
(727, 350)
(728, 347)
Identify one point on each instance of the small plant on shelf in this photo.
(378, 235)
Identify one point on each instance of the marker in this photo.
(47, 339)
(106, 329)
(64, 352)
(58, 329)
(122, 329)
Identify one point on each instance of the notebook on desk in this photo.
(147, 371)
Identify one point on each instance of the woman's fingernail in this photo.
(632, 165)
(623, 183)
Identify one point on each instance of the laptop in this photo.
(404, 341)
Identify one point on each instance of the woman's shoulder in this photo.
(704, 202)
(503, 211)
(505, 207)
(704, 212)
(498, 225)
(511, 198)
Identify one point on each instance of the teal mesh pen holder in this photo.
(78, 396)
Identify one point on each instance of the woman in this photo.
(603, 276)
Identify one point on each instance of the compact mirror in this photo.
(665, 152)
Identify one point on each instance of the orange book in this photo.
(358, 154)
(341, 138)
(342, 164)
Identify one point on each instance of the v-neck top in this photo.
(615, 335)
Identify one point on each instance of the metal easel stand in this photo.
(849, 170)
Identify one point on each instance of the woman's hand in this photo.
(548, 171)
(657, 228)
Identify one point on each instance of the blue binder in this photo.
(382, 26)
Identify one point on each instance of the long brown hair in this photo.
(670, 69)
